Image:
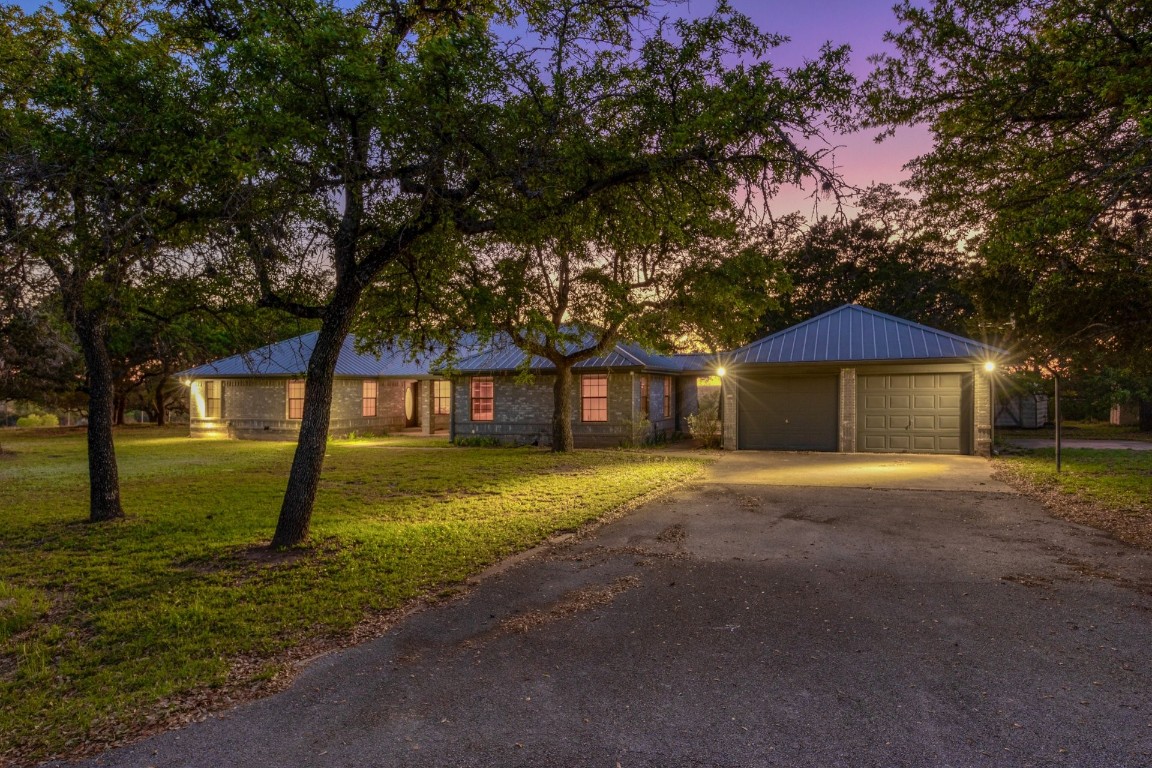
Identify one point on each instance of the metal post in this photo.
(1056, 416)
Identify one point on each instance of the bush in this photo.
(38, 420)
(478, 441)
(704, 425)
(639, 433)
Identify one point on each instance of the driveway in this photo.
(791, 610)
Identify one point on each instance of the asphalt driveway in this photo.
(793, 610)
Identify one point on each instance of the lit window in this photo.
(212, 403)
(296, 399)
(483, 401)
(645, 396)
(594, 397)
(669, 388)
(442, 397)
(368, 391)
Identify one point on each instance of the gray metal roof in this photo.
(503, 355)
(290, 358)
(853, 333)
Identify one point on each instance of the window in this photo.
(368, 391)
(212, 403)
(645, 395)
(483, 401)
(594, 397)
(296, 399)
(669, 389)
(441, 398)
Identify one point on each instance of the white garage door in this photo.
(910, 413)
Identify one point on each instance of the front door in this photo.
(412, 404)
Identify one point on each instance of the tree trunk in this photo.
(161, 402)
(119, 401)
(304, 479)
(103, 475)
(562, 409)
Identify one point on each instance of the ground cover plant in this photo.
(1077, 430)
(107, 630)
(1107, 489)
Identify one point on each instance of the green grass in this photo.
(101, 624)
(1119, 480)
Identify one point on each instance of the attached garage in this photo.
(858, 380)
(788, 413)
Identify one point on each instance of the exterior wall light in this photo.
(720, 371)
(990, 366)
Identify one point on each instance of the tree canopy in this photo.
(1041, 113)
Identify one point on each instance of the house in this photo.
(849, 380)
(854, 379)
(623, 396)
(260, 394)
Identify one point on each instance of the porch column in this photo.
(427, 420)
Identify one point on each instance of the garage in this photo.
(853, 379)
(910, 413)
(788, 413)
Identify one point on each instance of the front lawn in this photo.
(1076, 430)
(106, 630)
(1107, 489)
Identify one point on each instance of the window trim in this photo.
(587, 399)
(217, 387)
(441, 403)
(369, 403)
(475, 383)
(290, 400)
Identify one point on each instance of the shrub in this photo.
(38, 420)
(478, 441)
(638, 433)
(704, 425)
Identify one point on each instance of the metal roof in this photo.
(503, 355)
(290, 358)
(853, 333)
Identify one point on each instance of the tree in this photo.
(891, 257)
(1042, 116)
(389, 134)
(99, 122)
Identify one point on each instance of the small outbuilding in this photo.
(854, 379)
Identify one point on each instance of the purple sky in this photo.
(861, 24)
(810, 23)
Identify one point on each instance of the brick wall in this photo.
(522, 411)
(728, 404)
(847, 407)
(981, 413)
(257, 408)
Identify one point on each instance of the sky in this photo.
(810, 23)
(861, 24)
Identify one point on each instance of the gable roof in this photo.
(853, 333)
(503, 355)
(290, 358)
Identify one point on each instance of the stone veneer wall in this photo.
(522, 411)
(981, 412)
(847, 437)
(257, 408)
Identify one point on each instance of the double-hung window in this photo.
(368, 391)
(645, 395)
(442, 398)
(594, 397)
(669, 389)
(296, 399)
(483, 398)
(212, 400)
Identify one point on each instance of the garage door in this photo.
(915, 413)
(788, 413)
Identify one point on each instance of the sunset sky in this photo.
(810, 23)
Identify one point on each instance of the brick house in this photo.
(626, 395)
(260, 394)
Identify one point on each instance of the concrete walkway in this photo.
(794, 610)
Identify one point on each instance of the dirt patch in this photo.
(263, 554)
(807, 517)
(673, 534)
(1130, 526)
(1027, 580)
